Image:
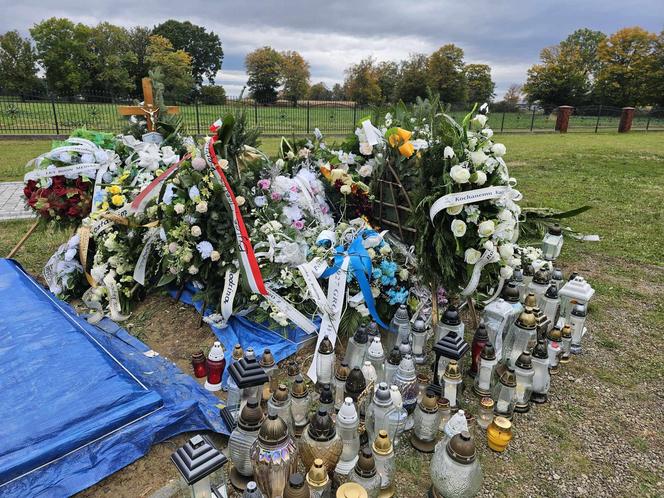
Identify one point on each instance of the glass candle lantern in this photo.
(297, 487)
(455, 469)
(541, 378)
(392, 364)
(233, 397)
(517, 278)
(252, 491)
(499, 434)
(347, 422)
(365, 474)
(280, 404)
(355, 384)
(452, 383)
(540, 283)
(406, 381)
(504, 395)
(519, 336)
(480, 339)
(488, 360)
(324, 363)
(269, 366)
(293, 370)
(576, 290)
(356, 348)
(577, 322)
(528, 274)
(542, 327)
(450, 322)
(241, 440)
(376, 356)
(550, 306)
(378, 411)
(398, 418)
(445, 412)
(419, 336)
(248, 376)
(215, 367)
(200, 465)
(326, 399)
(405, 348)
(320, 440)
(339, 384)
(198, 363)
(399, 326)
(557, 278)
(237, 353)
(426, 424)
(566, 344)
(274, 456)
(450, 347)
(511, 295)
(423, 384)
(370, 375)
(300, 403)
(372, 331)
(523, 370)
(485, 415)
(554, 350)
(383, 451)
(498, 315)
(320, 485)
(552, 243)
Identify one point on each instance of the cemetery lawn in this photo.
(600, 434)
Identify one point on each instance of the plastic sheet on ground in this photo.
(80, 402)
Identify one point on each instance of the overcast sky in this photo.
(331, 34)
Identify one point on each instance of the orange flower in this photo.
(326, 172)
(401, 139)
(407, 149)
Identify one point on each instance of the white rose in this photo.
(486, 228)
(403, 274)
(224, 164)
(345, 189)
(448, 152)
(385, 250)
(480, 177)
(480, 120)
(366, 149)
(498, 150)
(514, 262)
(214, 255)
(506, 251)
(458, 228)
(454, 210)
(179, 208)
(487, 132)
(478, 157)
(472, 256)
(459, 174)
(193, 270)
(202, 207)
(365, 170)
(196, 231)
(489, 246)
(506, 272)
(505, 215)
(279, 163)
(240, 200)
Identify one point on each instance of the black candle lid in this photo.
(197, 459)
(248, 373)
(451, 346)
(451, 316)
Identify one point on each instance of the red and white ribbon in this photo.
(247, 256)
(147, 194)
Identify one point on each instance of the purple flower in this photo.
(264, 184)
(299, 224)
(276, 196)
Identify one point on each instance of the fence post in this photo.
(502, 122)
(198, 118)
(308, 104)
(626, 118)
(354, 114)
(55, 116)
(599, 113)
(532, 120)
(255, 112)
(648, 122)
(562, 119)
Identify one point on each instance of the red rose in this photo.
(73, 211)
(58, 181)
(82, 184)
(60, 190)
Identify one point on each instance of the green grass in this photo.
(14, 154)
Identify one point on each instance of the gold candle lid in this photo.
(486, 403)
(317, 475)
(352, 490)
(502, 423)
(382, 445)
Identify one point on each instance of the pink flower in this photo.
(264, 184)
(324, 209)
(276, 196)
(293, 188)
(299, 224)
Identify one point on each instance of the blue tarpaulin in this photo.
(79, 402)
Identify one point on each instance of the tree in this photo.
(18, 64)
(361, 83)
(388, 76)
(204, 48)
(338, 92)
(213, 94)
(319, 91)
(63, 52)
(175, 65)
(480, 86)
(513, 95)
(585, 42)
(657, 80)
(295, 76)
(628, 59)
(111, 60)
(139, 40)
(263, 66)
(413, 74)
(446, 75)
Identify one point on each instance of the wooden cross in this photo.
(148, 110)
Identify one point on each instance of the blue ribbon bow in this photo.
(360, 268)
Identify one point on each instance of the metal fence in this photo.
(51, 115)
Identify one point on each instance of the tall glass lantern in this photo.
(518, 279)
(392, 364)
(325, 360)
(357, 348)
(326, 399)
(280, 404)
(480, 339)
(320, 440)
(376, 356)
(523, 369)
(300, 403)
(297, 487)
(577, 290)
(543, 326)
(348, 421)
(488, 360)
(504, 395)
(511, 294)
(566, 344)
(450, 322)
(248, 377)
(554, 350)
(383, 451)
(365, 473)
(340, 377)
(540, 283)
(406, 381)
(355, 385)
(450, 347)
(378, 411)
(552, 243)
(215, 367)
(528, 274)
(398, 418)
(200, 465)
(542, 377)
(455, 469)
(370, 374)
(557, 278)
(550, 305)
(577, 322)
(274, 456)
(318, 480)
(241, 440)
(405, 347)
(293, 370)
(426, 422)
(498, 316)
(419, 336)
(519, 336)
(452, 382)
(399, 326)
(269, 366)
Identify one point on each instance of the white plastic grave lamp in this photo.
(576, 289)
(552, 243)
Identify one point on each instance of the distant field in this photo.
(40, 117)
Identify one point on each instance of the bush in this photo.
(213, 94)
